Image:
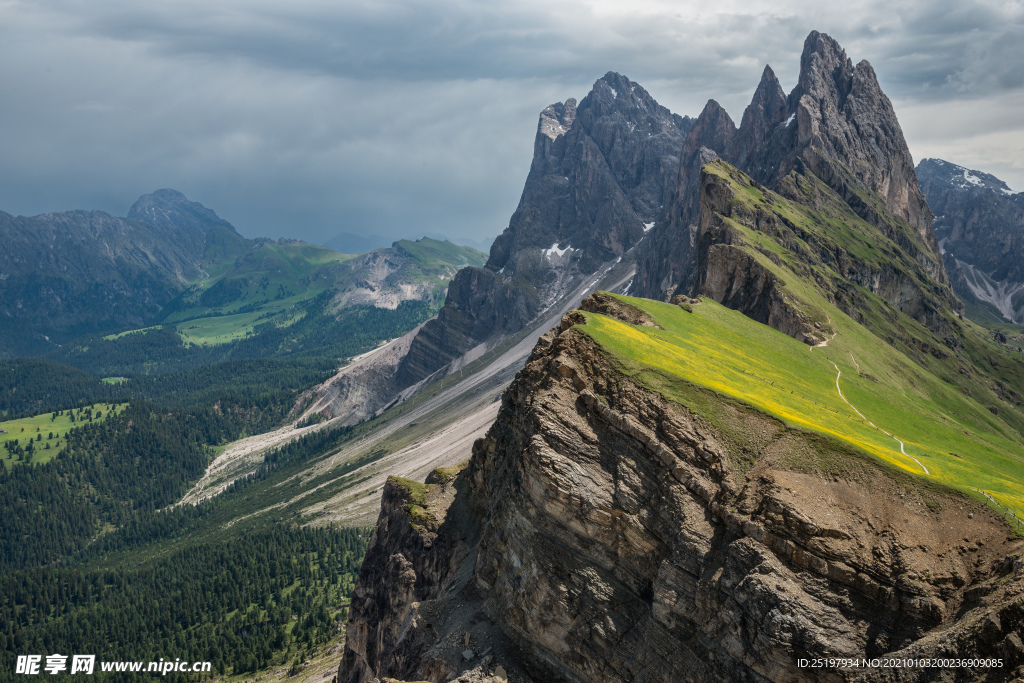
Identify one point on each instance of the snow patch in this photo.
(554, 249)
(1008, 192)
(648, 226)
(614, 94)
(973, 179)
(790, 119)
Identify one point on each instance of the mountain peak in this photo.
(836, 124)
(170, 208)
(169, 195)
(821, 54)
(766, 110)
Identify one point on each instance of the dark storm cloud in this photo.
(310, 118)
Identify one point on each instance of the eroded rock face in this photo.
(980, 225)
(600, 175)
(601, 533)
(836, 124)
(404, 563)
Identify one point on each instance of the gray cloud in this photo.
(401, 116)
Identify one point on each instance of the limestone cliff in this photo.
(604, 533)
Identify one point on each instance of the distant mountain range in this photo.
(349, 243)
(176, 264)
(979, 223)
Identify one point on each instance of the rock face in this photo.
(603, 534)
(980, 226)
(600, 174)
(837, 125)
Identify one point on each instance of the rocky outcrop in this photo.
(837, 125)
(479, 305)
(600, 176)
(410, 518)
(980, 225)
(602, 533)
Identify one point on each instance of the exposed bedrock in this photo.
(603, 533)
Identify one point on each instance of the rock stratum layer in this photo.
(602, 533)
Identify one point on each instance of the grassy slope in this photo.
(820, 231)
(263, 285)
(45, 424)
(722, 350)
(941, 395)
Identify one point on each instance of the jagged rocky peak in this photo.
(843, 116)
(836, 124)
(600, 174)
(601, 171)
(767, 109)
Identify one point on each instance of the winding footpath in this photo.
(839, 373)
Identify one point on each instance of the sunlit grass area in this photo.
(959, 441)
(47, 431)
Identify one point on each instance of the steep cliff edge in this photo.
(637, 515)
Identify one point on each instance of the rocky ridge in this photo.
(602, 533)
(600, 173)
(836, 125)
(980, 226)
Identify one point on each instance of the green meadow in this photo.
(961, 443)
(47, 431)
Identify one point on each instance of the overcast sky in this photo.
(312, 117)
